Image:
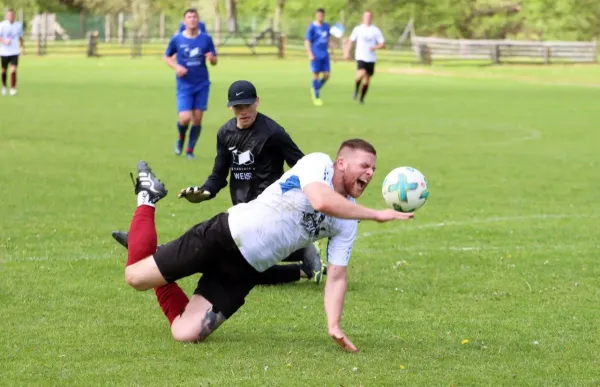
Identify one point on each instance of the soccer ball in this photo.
(405, 189)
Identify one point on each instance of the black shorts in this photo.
(369, 67)
(11, 59)
(208, 248)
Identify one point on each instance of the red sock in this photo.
(142, 239)
(13, 79)
(172, 300)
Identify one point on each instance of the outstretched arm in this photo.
(335, 293)
(218, 178)
(215, 182)
(282, 142)
(325, 200)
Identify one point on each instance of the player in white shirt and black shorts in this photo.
(368, 38)
(11, 43)
(315, 199)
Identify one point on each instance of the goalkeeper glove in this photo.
(194, 194)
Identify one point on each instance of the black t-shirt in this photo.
(255, 157)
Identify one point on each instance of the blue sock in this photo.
(194, 134)
(322, 82)
(182, 129)
(315, 85)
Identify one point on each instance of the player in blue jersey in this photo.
(187, 54)
(201, 27)
(317, 46)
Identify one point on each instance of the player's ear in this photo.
(257, 101)
(340, 163)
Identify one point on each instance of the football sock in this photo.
(13, 79)
(364, 91)
(194, 134)
(172, 300)
(182, 130)
(315, 86)
(280, 274)
(142, 239)
(322, 82)
(356, 87)
(4, 79)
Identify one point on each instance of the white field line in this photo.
(542, 217)
(420, 250)
(58, 258)
(496, 219)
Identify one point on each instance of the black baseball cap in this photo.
(241, 93)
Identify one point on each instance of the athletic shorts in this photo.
(208, 248)
(10, 59)
(369, 67)
(319, 65)
(193, 99)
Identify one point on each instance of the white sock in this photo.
(144, 199)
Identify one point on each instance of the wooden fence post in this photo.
(547, 54)
(424, 54)
(495, 53)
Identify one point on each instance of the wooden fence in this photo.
(498, 51)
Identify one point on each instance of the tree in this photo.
(232, 24)
(217, 10)
(278, 15)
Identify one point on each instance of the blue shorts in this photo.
(193, 99)
(319, 65)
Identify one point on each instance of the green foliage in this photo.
(533, 19)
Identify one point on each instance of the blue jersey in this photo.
(190, 54)
(201, 27)
(318, 36)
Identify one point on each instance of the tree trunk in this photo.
(231, 16)
(82, 23)
(217, 31)
(278, 14)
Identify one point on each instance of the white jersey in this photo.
(365, 38)
(12, 31)
(281, 220)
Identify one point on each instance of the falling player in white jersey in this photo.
(368, 38)
(313, 200)
(11, 43)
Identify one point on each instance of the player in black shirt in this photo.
(252, 149)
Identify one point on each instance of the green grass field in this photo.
(504, 254)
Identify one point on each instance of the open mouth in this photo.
(362, 183)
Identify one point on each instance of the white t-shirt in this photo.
(11, 31)
(365, 38)
(281, 220)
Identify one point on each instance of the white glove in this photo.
(194, 194)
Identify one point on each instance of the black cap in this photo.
(241, 93)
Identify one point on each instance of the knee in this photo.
(184, 119)
(197, 119)
(134, 279)
(326, 76)
(185, 334)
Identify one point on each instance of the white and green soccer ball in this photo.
(405, 189)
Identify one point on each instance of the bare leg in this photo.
(197, 322)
